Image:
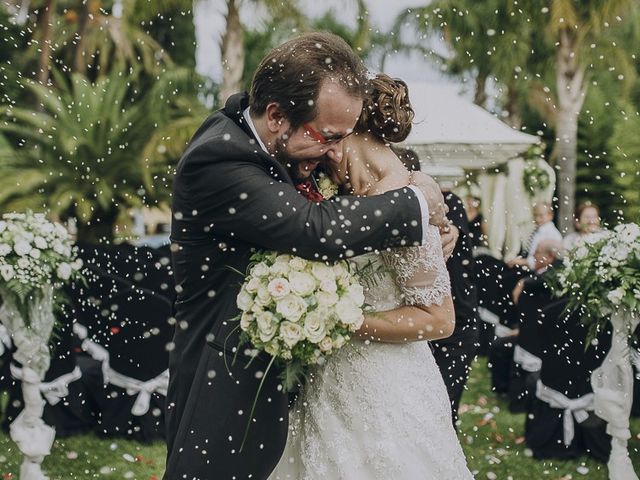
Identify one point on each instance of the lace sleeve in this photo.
(420, 272)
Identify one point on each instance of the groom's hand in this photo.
(432, 194)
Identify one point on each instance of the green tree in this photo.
(232, 43)
(98, 148)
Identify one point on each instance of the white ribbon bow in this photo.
(55, 390)
(573, 408)
(527, 360)
(133, 386)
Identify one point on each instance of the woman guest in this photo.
(587, 220)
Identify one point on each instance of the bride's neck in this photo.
(366, 163)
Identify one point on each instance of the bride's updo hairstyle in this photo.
(386, 112)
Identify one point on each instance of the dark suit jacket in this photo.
(230, 197)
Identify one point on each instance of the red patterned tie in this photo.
(309, 191)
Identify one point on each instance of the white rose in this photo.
(4, 249)
(328, 285)
(252, 285)
(322, 271)
(260, 270)
(283, 258)
(61, 231)
(24, 263)
(272, 348)
(47, 227)
(263, 297)
(244, 301)
(581, 251)
(315, 326)
(40, 242)
(291, 333)
(615, 296)
(64, 271)
(302, 283)
(339, 342)
(245, 321)
(349, 313)
(326, 299)
(35, 253)
(279, 288)
(355, 293)
(279, 268)
(22, 247)
(267, 326)
(7, 272)
(77, 264)
(291, 307)
(297, 263)
(325, 344)
(58, 247)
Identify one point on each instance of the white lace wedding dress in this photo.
(380, 411)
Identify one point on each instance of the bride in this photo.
(380, 410)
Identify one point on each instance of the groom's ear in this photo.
(276, 120)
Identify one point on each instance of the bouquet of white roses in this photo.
(298, 311)
(601, 274)
(34, 254)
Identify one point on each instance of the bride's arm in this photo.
(413, 322)
(410, 323)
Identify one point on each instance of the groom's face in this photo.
(320, 140)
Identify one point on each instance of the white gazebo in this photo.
(452, 135)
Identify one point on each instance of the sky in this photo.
(209, 19)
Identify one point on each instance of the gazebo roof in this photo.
(452, 130)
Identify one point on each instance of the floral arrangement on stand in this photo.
(297, 311)
(36, 258)
(534, 178)
(601, 281)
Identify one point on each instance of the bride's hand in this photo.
(432, 194)
(449, 237)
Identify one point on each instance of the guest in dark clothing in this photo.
(455, 354)
(477, 224)
(548, 255)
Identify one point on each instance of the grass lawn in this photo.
(491, 437)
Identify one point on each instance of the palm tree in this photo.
(96, 150)
(232, 43)
(580, 32)
(489, 39)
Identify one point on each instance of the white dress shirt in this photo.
(424, 207)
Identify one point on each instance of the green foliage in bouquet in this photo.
(601, 274)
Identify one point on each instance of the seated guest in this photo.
(587, 220)
(478, 230)
(545, 230)
(547, 254)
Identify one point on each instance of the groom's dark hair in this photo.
(291, 75)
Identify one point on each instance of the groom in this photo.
(240, 186)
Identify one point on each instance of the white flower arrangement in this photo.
(326, 186)
(298, 311)
(601, 275)
(34, 254)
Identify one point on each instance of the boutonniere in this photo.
(326, 186)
